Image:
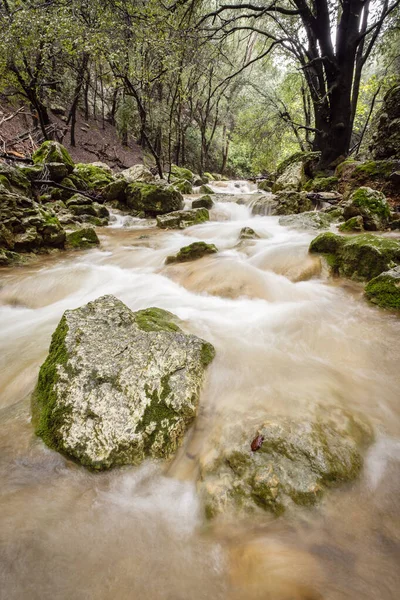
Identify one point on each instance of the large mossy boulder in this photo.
(386, 140)
(118, 386)
(322, 184)
(14, 179)
(283, 463)
(192, 252)
(384, 290)
(352, 225)
(369, 204)
(95, 175)
(183, 186)
(153, 198)
(307, 220)
(376, 174)
(53, 152)
(360, 257)
(181, 219)
(291, 202)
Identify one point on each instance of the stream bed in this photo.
(287, 339)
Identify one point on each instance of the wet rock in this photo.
(352, 225)
(82, 238)
(322, 184)
(153, 199)
(181, 219)
(286, 462)
(183, 186)
(264, 205)
(360, 257)
(53, 152)
(205, 189)
(115, 190)
(384, 290)
(307, 220)
(292, 178)
(203, 202)
(371, 205)
(290, 202)
(137, 173)
(247, 233)
(118, 386)
(192, 252)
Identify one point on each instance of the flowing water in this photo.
(287, 338)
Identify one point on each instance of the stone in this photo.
(291, 202)
(181, 219)
(353, 224)
(14, 179)
(53, 152)
(203, 202)
(292, 178)
(182, 173)
(96, 177)
(205, 189)
(307, 220)
(153, 199)
(371, 205)
(55, 171)
(283, 463)
(247, 233)
(265, 185)
(322, 184)
(384, 290)
(137, 173)
(118, 386)
(192, 252)
(183, 186)
(82, 238)
(115, 191)
(359, 257)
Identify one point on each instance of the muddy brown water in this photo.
(287, 339)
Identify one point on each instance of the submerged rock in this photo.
(118, 386)
(247, 233)
(192, 252)
(353, 224)
(285, 462)
(82, 238)
(360, 257)
(181, 219)
(384, 290)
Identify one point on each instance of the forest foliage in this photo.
(229, 88)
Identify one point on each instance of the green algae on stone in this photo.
(153, 198)
(359, 257)
(384, 290)
(192, 252)
(351, 225)
(183, 186)
(371, 205)
(118, 386)
(205, 189)
(182, 173)
(181, 219)
(95, 177)
(297, 462)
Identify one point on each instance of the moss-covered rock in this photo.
(247, 233)
(307, 220)
(306, 158)
(181, 219)
(289, 202)
(53, 152)
(371, 205)
(205, 189)
(192, 252)
(384, 290)
(359, 257)
(115, 190)
(118, 386)
(322, 184)
(180, 173)
(96, 177)
(153, 199)
(184, 186)
(291, 178)
(14, 179)
(351, 225)
(82, 238)
(203, 202)
(284, 463)
(209, 176)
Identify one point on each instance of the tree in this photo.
(330, 41)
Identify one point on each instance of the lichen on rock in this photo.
(118, 386)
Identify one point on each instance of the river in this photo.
(287, 338)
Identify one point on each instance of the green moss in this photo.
(205, 189)
(95, 177)
(351, 225)
(156, 319)
(82, 238)
(381, 169)
(192, 252)
(52, 152)
(384, 291)
(297, 157)
(322, 184)
(372, 200)
(209, 176)
(182, 173)
(153, 199)
(47, 416)
(326, 243)
(207, 354)
(4, 182)
(184, 186)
